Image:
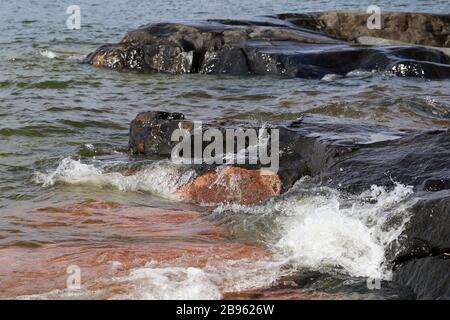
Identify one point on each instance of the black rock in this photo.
(413, 160)
(286, 45)
(150, 133)
(427, 277)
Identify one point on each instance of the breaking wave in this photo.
(209, 282)
(309, 227)
(322, 229)
(160, 178)
(153, 282)
(171, 283)
(48, 54)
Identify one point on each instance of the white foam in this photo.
(174, 283)
(157, 281)
(244, 274)
(65, 294)
(209, 282)
(162, 177)
(48, 54)
(331, 77)
(325, 230)
(359, 74)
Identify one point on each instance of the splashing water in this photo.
(324, 230)
(161, 177)
(171, 283)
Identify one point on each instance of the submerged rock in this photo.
(289, 45)
(232, 185)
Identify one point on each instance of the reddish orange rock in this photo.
(232, 185)
(141, 148)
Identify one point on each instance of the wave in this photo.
(160, 178)
(308, 227)
(321, 229)
(210, 282)
(175, 283)
(162, 282)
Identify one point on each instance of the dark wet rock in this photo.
(427, 277)
(295, 45)
(307, 147)
(428, 231)
(312, 144)
(341, 154)
(150, 132)
(437, 184)
(415, 160)
(338, 153)
(231, 61)
(421, 263)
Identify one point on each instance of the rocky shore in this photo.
(288, 45)
(333, 152)
(333, 156)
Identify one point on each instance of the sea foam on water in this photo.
(161, 177)
(325, 230)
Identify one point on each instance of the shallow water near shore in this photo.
(65, 200)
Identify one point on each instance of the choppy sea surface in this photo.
(63, 145)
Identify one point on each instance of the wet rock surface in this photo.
(288, 45)
(151, 132)
(350, 157)
(232, 185)
(421, 160)
(428, 277)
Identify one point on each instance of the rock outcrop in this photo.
(341, 155)
(421, 160)
(287, 45)
(413, 27)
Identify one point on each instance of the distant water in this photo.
(63, 139)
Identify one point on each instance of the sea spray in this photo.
(323, 229)
(160, 177)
